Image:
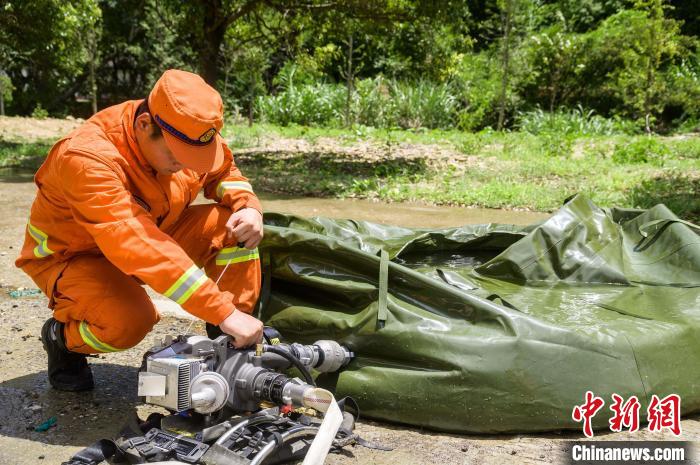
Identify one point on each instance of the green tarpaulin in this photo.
(495, 328)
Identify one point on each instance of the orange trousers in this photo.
(105, 310)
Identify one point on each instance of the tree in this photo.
(90, 19)
(507, 11)
(556, 62)
(631, 49)
(208, 21)
(658, 42)
(517, 19)
(47, 57)
(6, 89)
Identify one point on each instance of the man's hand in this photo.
(245, 329)
(247, 226)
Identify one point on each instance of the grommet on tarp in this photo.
(382, 311)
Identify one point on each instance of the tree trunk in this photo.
(93, 85)
(210, 48)
(252, 101)
(227, 71)
(350, 79)
(653, 61)
(650, 78)
(505, 61)
(2, 92)
(554, 90)
(209, 57)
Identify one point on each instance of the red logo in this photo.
(665, 413)
(587, 411)
(661, 413)
(626, 414)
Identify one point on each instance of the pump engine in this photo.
(195, 372)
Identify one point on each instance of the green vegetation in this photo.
(496, 103)
(628, 66)
(23, 154)
(487, 169)
(375, 102)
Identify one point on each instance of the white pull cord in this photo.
(187, 331)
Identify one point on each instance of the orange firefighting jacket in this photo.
(98, 195)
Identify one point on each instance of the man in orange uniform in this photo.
(113, 212)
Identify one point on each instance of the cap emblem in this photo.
(206, 137)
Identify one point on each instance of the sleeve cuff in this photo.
(218, 314)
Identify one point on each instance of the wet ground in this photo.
(26, 400)
(402, 214)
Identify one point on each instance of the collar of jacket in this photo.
(128, 127)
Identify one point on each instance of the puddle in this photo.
(413, 215)
(401, 214)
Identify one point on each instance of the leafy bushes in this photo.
(575, 122)
(641, 150)
(478, 84)
(315, 104)
(376, 102)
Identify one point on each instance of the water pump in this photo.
(207, 376)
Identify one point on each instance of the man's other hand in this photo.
(246, 226)
(245, 329)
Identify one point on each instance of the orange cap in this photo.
(190, 113)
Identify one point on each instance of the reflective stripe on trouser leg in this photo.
(90, 339)
(91, 291)
(242, 278)
(201, 232)
(42, 250)
(186, 285)
(236, 255)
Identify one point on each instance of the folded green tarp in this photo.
(495, 328)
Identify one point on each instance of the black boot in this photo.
(68, 371)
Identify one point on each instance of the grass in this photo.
(23, 154)
(517, 170)
(496, 170)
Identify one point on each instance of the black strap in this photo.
(345, 435)
(95, 453)
(348, 404)
(144, 448)
(346, 440)
(105, 449)
(504, 302)
(371, 445)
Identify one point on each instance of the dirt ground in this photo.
(32, 129)
(82, 418)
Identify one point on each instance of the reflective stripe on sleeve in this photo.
(91, 340)
(233, 186)
(186, 285)
(236, 255)
(42, 250)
